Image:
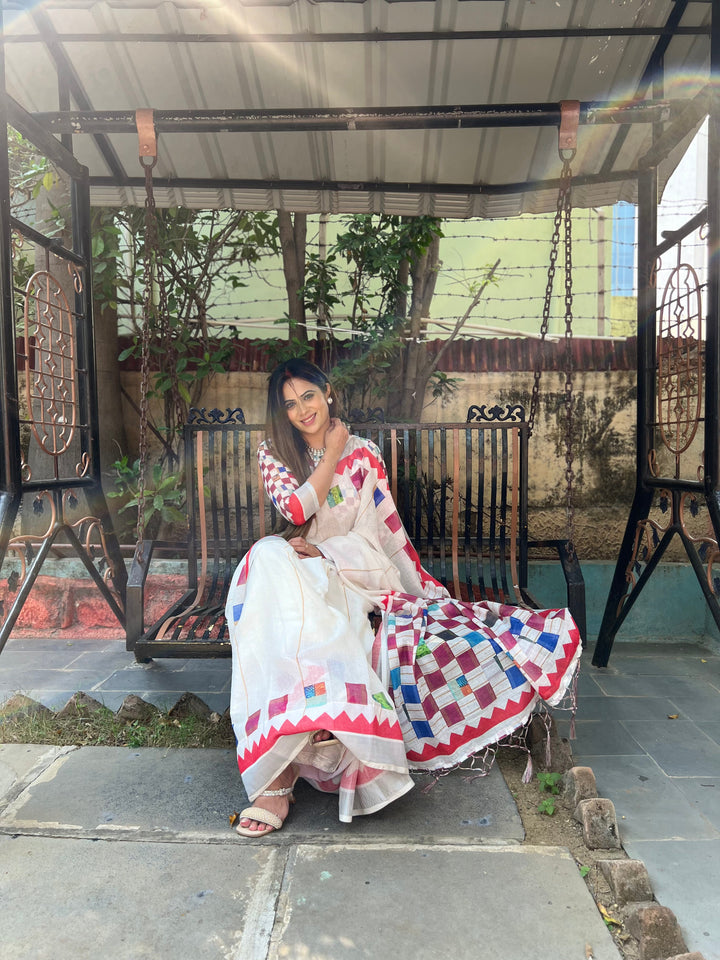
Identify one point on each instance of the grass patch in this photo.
(103, 729)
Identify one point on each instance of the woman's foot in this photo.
(278, 805)
(321, 736)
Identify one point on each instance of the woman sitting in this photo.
(315, 692)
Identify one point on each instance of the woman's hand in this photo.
(304, 549)
(336, 436)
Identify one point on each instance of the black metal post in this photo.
(646, 362)
(712, 336)
(87, 381)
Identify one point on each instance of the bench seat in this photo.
(461, 490)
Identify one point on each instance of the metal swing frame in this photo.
(660, 378)
(41, 130)
(58, 362)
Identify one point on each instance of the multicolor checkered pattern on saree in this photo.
(464, 675)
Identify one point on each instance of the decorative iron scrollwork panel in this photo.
(680, 362)
(51, 387)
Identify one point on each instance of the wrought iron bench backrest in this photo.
(460, 489)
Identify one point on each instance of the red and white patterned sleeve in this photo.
(296, 502)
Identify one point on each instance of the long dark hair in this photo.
(287, 442)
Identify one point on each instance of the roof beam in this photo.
(653, 66)
(66, 70)
(27, 125)
(371, 186)
(359, 118)
(409, 36)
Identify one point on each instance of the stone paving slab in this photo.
(190, 794)
(20, 764)
(132, 901)
(85, 900)
(649, 804)
(678, 746)
(686, 877)
(347, 903)
(704, 795)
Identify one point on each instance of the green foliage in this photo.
(30, 174)
(376, 248)
(584, 870)
(550, 782)
(360, 377)
(198, 253)
(30, 171)
(444, 387)
(107, 249)
(103, 728)
(164, 495)
(546, 806)
(369, 265)
(281, 350)
(319, 292)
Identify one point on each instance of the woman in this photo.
(315, 693)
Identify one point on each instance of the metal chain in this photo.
(568, 393)
(563, 213)
(563, 194)
(147, 308)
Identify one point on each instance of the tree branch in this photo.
(433, 365)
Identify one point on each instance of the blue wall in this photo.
(670, 607)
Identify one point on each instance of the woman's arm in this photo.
(336, 438)
(299, 502)
(295, 501)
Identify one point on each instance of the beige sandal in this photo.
(264, 816)
(330, 742)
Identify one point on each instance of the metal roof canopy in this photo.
(441, 107)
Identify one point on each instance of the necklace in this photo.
(316, 455)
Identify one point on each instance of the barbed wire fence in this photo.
(512, 307)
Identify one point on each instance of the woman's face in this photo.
(307, 409)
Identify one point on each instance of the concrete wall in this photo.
(603, 442)
(604, 461)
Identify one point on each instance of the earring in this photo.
(329, 400)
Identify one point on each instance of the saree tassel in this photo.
(528, 772)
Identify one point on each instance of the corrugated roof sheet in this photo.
(290, 54)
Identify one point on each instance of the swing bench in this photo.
(461, 489)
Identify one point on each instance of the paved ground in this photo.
(140, 837)
(649, 726)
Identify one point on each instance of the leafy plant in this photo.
(31, 173)
(444, 387)
(548, 783)
(164, 495)
(383, 270)
(199, 254)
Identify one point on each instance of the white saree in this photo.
(441, 679)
